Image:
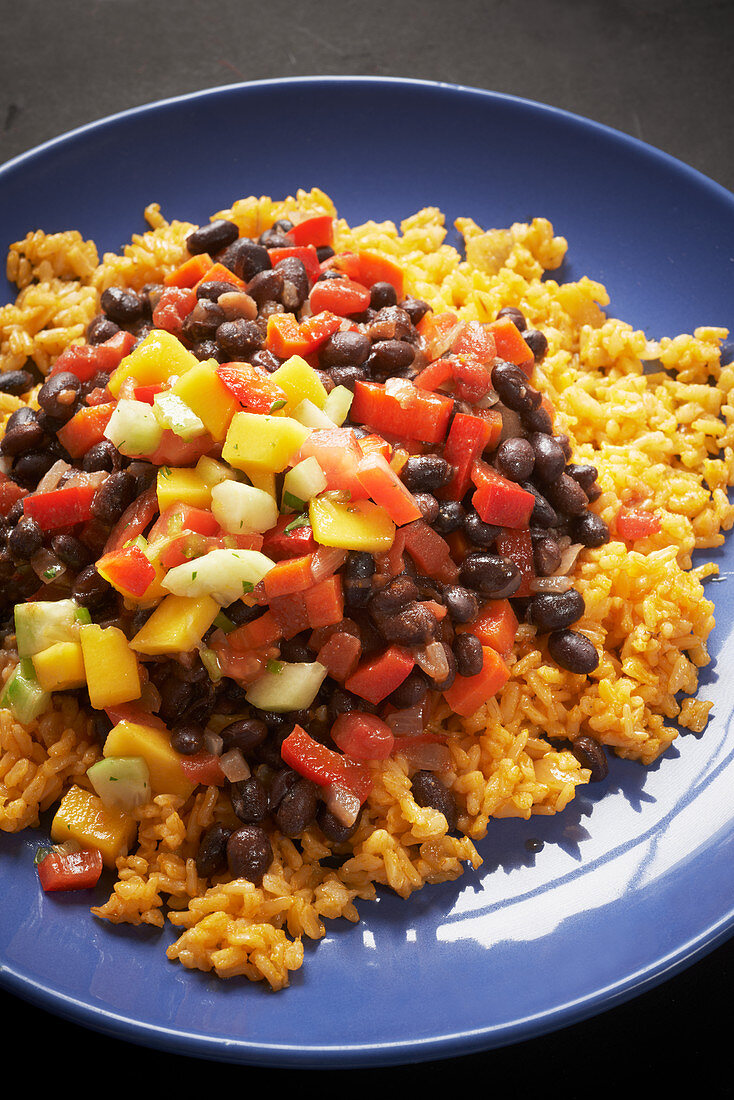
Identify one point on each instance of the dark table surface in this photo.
(658, 70)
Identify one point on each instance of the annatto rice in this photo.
(323, 546)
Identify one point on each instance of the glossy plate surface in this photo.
(636, 879)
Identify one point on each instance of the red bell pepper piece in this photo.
(218, 273)
(203, 767)
(305, 253)
(318, 231)
(468, 693)
(284, 336)
(375, 444)
(341, 296)
(85, 429)
(325, 602)
(435, 375)
(517, 545)
(70, 870)
(636, 523)
(323, 765)
(468, 438)
(495, 626)
(190, 272)
(10, 494)
(62, 507)
(288, 576)
(471, 379)
(316, 329)
(252, 386)
(368, 267)
(498, 500)
(376, 677)
(279, 543)
(416, 414)
(438, 332)
(386, 489)
(148, 393)
(128, 569)
(110, 354)
(430, 552)
(510, 344)
(260, 633)
(174, 305)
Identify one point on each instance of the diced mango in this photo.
(153, 744)
(265, 444)
(299, 382)
(355, 525)
(110, 666)
(156, 358)
(181, 485)
(261, 479)
(83, 817)
(205, 393)
(60, 667)
(177, 625)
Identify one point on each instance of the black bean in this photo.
(203, 321)
(239, 612)
(295, 282)
(71, 551)
(401, 590)
(429, 791)
(342, 702)
(29, 468)
(537, 342)
(383, 294)
(324, 252)
(565, 443)
(556, 610)
(428, 506)
(332, 827)
(212, 854)
(426, 473)
(591, 755)
(583, 472)
(102, 456)
(245, 734)
(490, 574)
(16, 382)
(344, 349)
(537, 420)
(121, 306)
(101, 328)
(445, 684)
(573, 651)
(413, 625)
(246, 259)
(589, 529)
(90, 589)
(512, 313)
(275, 238)
(566, 495)
(413, 690)
(297, 808)
(348, 375)
(265, 359)
(546, 556)
(21, 435)
(23, 415)
(250, 800)
(550, 460)
(390, 323)
(416, 309)
(450, 517)
(461, 603)
(58, 394)
(469, 654)
(513, 388)
(543, 515)
(359, 569)
(209, 349)
(515, 458)
(213, 237)
(295, 650)
(187, 738)
(478, 532)
(239, 338)
(25, 539)
(390, 357)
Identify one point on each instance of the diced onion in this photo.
(325, 562)
(568, 559)
(342, 803)
(47, 566)
(234, 766)
(433, 661)
(53, 476)
(81, 477)
(551, 584)
(408, 722)
(213, 743)
(425, 755)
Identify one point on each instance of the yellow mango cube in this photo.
(353, 525)
(156, 358)
(153, 744)
(182, 485)
(176, 626)
(206, 395)
(264, 444)
(110, 666)
(60, 667)
(299, 382)
(83, 817)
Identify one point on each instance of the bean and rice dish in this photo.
(323, 546)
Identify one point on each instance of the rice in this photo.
(655, 417)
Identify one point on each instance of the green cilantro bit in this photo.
(300, 521)
(275, 667)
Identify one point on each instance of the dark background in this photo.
(659, 70)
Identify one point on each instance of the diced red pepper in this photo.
(499, 501)
(259, 633)
(438, 332)
(279, 543)
(127, 569)
(323, 765)
(203, 767)
(386, 489)
(495, 626)
(71, 870)
(325, 602)
(85, 429)
(252, 386)
(316, 329)
(149, 393)
(636, 523)
(306, 254)
(375, 444)
(288, 576)
(368, 267)
(376, 677)
(341, 296)
(110, 353)
(340, 655)
(190, 272)
(362, 736)
(318, 231)
(468, 438)
(62, 507)
(284, 336)
(417, 414)
(218, 273)
(517, 545)
(10, 494)
(468, 693)
(174, 305)
(430, 552)
(435, 375)
(510, 344)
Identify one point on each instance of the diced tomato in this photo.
(517, 545)
(438, 332)
(338, 454)
(467, 440)
(325, 602)
(341, 296)
(244, 666)
(62, 507)
(362, 736)
(386, 489)
(288, 576)
(510, 344)
(218, 273)
(71, 870)
(468, 693)
(340, 655)
(306, 254)
(252, 386)
(279, 543)
(368, 267)
(317, 231)
(258, 634)
(391, 563)
(174, 305)
(475, 341)
(495, 626)
(203, 767)
(127, 569)
(290, 614)
(636, 523)
(10, 494)
(175, 451)
(471, 378)
(499, 501)
(376, 677)
(110, 353)
(323, 765)
(148, 393)
(416, 414)
(85, 428)
(430, 552)
(375, 444)
(190, 272)
(86, 360)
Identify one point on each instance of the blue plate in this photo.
(636, 879)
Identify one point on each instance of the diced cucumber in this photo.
(134, 428)
(243, 509)
(225, 575)
(40, 623)
(338, 403)
(122, 782)
(311, 415)
(302, 482)
(22, 695)
(287, 686)
(175, 414)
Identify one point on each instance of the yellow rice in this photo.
(661, 439)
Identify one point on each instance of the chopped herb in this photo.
(294, 502)
(275, 667)
(223, 623)
(41, 854)
(278, 404)
(165, 471)
(193, 575)
(300, 521)
(247, 587)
